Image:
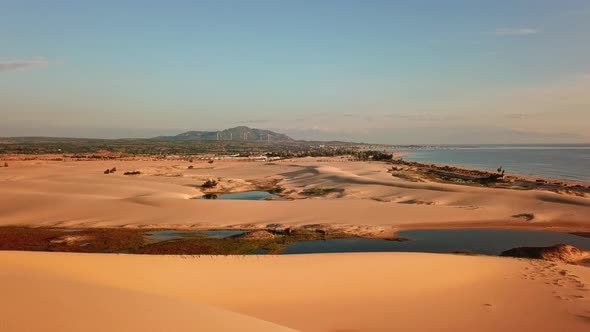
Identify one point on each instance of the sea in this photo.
(566, 162)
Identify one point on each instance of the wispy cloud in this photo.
(12, 65)
(513, 32)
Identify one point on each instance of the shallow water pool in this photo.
(478, 241)
(167, 235)
(246, 196)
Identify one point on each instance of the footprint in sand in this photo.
(570, 285)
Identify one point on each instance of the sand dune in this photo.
(77, 194)
(34, 301)
(326, 292)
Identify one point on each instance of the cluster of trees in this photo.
(373, 155)
(316, 152)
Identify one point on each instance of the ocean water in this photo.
(571, 162)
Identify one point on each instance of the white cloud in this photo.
(513, 32)
(12, 65)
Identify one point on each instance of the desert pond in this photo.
(479, 241)
(298, 241)
(245, 196)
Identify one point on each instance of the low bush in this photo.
(211, 183)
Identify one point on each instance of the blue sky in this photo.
(375, 71)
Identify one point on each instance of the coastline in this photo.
(491, 168)
(509, 174)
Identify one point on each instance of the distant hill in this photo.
(241, 133)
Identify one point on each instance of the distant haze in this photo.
(398, 72)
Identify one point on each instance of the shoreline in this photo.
(514, 175)
(442, 173)
(491, 170)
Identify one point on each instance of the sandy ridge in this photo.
(324, 292)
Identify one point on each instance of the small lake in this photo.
(160, 236)
(479, 241)
(244, 196)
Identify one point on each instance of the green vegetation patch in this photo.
(319, 192)
(135, 241)
(103, 240)
(236, 245)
